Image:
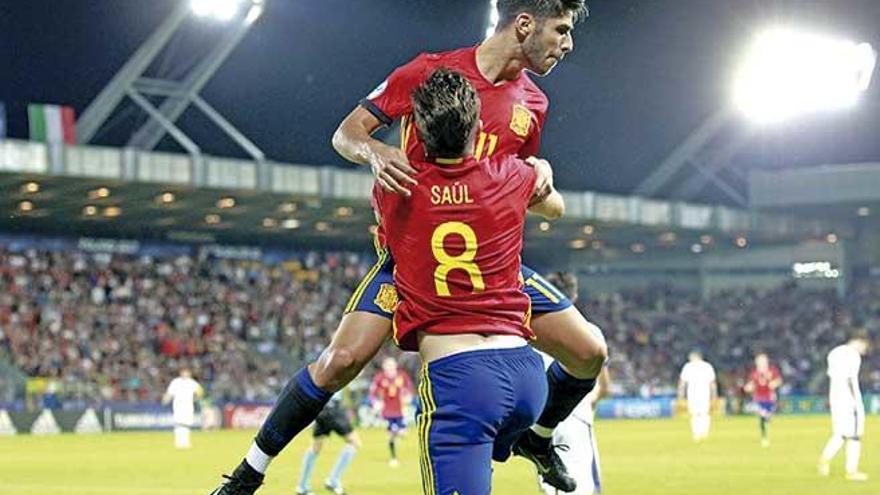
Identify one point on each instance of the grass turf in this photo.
(638, 458)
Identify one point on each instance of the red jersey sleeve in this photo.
(520, 174)
(393, 98)
(777, 375)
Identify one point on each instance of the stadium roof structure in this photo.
(837, 193)
(126, 193)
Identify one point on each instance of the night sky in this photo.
(643, 75)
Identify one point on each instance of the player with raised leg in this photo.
(763, 382)
(532, 35)
(847, 407)
(461, 300)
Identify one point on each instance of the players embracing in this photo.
(462, 305)
(532, 35)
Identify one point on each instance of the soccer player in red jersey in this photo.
(763, 382)
(392, 388)
(462, 304)
(532, 35)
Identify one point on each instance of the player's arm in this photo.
(749, 387)
(776, 382)
(713, 391)
(548, 205)
(603, 386)
(552, 207)
(855, 390)
(544, 179)
(391, 100)
(681, 386)
(200, 392)
(353, 140)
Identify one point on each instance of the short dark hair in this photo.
(541, 9)
(446, 110)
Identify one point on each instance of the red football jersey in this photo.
(459, 238)
(391, 390)
(511, 113)
(761, 381)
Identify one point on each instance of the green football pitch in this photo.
(638, 458)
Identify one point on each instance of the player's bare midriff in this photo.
(434, 346)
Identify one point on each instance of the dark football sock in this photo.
(763, 427)
(392, 446)
(297, 406)
(565, 393)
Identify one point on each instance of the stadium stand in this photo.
(652, 330)
(116, 327)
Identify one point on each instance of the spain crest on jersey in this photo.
(520, 120)
(387, 298)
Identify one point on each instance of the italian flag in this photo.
(52, 124)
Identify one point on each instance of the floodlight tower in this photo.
(785, 74)
(237, 16)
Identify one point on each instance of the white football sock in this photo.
(832, 447)
(853, 452)
(258, 459)
(707, 424)
(181, 437)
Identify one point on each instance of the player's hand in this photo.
(544, 181)
(391, 168)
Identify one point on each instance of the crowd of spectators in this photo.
(651, 332)
(118, 327)
(100, 326)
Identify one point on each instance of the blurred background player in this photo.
(182, 393)
(391, 390)
(697, 382)
(581, 457)
(847, 407)
(763, 382)
(333, 419)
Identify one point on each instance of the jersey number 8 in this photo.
(463, 261)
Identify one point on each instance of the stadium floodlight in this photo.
(226, 10)
(493, 18)
(787, 73)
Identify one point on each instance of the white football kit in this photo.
(844, 395)
(698, 377)
(183, 392)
